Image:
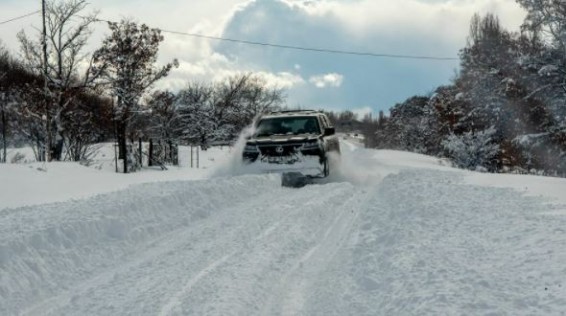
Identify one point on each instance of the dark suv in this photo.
(293, 141)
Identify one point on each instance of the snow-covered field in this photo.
(391, 233)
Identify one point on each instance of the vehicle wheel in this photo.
(326, 167)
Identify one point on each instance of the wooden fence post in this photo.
(150, 160)
(140, 152)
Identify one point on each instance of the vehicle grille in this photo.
(279, 150)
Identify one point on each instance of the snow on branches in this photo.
(472, 150)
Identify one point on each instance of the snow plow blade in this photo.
(294, 180)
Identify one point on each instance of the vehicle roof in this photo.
(292, 113)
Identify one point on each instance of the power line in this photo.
(274, 45)
(311, 49)
(20, 17)
(302, 48)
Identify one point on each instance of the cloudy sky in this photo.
(312, 80)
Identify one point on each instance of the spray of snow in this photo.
(233, 166)
(354, 165)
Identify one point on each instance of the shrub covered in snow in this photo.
(470, 150)
(17, 158)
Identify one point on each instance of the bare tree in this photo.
(162, 127)
(4, 58)
(547, 17)
(16, 83)
(197, 112)
(220, 111)
(67, 34)
(3, 122)
(253, 97)
(164, 119)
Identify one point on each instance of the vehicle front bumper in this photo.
(309, 165)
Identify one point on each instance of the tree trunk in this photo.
(4, 132)
(150, 160)
(46, 98)
(122, 144)
(57, 147)
(170, 152)
(203, 142)
(140, 152)
(121, 138)
(49, 140)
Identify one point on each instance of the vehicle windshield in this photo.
(287, 126)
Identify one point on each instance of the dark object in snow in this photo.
(294, 180)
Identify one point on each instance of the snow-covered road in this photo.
(386, 237)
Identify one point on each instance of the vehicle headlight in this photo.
(251, 149)
(310, 146)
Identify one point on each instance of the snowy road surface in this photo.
(387, 237)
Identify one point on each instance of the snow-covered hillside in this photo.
(390, 233)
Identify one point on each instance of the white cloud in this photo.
(217, 67)
(328, 80)
(284, 80)
(442, 18)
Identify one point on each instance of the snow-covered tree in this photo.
(487, 72)
(511, 87)
(128, 63)
(473, 150)
(4, 101)
(221, 110)
(164, 119)
(89, 120)
(18, 87)
(412, 126)
(67, 34)
(547, 17)
(162, 125)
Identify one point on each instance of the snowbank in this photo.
(36, 183)
(45, 250)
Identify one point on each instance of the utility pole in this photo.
(45, 87)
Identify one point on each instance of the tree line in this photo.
(504, 111)
(61, 100)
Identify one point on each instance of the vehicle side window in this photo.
(326, 123)
(322, 122)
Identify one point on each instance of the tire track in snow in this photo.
(147, 254)
(176, 300)
(159, 247)
(245, 282)
(292, 294)
(145, 283)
